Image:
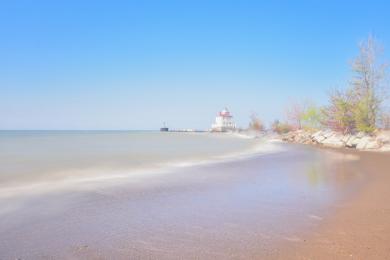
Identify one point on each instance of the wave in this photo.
(90, 178)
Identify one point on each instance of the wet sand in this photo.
(360, 225)
(302, 203)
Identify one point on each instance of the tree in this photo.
(369, 88)
(304, 115)
(294, 113)
(311, 117)
(339, 114)
(359, 107)
(385, 119)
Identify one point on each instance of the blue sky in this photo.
(134, 64)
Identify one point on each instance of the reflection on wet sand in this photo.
(336, 168)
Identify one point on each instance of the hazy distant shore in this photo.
(258, 207)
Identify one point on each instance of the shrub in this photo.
(256, 123)
(339, 114)
(311, 117)
(281, 128)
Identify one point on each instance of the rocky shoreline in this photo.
(379, 141)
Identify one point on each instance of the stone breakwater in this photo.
(379, 141)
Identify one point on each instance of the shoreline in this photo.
(112, 177)
(359, 227)
(255, 207)
(376, 142)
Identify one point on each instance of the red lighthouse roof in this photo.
(225, 113)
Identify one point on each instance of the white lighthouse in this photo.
(223, 122)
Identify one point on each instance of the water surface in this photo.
(243, 209)
(29, 158)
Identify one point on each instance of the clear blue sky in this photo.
(134, 64)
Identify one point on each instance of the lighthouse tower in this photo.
(223, 122)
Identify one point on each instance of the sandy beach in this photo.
(359, 228)
(299, 203)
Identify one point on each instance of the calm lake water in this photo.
(47, 158)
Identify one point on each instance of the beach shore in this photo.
(298, 203)
(360, 225)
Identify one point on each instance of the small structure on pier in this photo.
(164, 128)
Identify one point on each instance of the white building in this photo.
(223, 122)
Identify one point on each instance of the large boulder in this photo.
(318, 137)
(328, 133)
(361, 135)
(352, 141)
(364, 142)
(373, 145)
(383, 138)
(346, 138)
(334, 141)
(385, 148)
(316, 134)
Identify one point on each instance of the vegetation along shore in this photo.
(357, 116)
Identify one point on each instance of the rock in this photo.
(372, 145)
(361, 135)
(318, 137)
(364, 142)
(346, 138)
(299, 136)
(316, 134)
(351, 143)
(383, 138)
(333, 141)
(385, 148)
(354, 141)
(360, 141)
(328, 134)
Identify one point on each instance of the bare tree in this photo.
(294, 113)
(385, 119)
(304, 114)
(369, 86)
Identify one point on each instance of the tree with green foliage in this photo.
(303, 115)
(339, 114)
(311, 117)
(359, 107)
